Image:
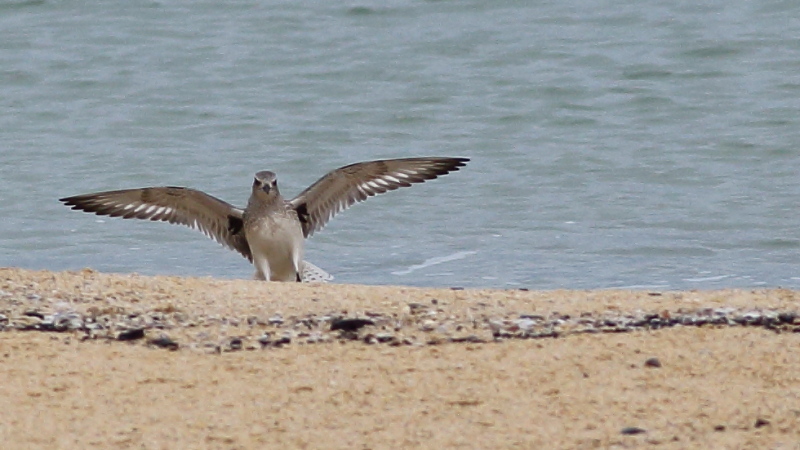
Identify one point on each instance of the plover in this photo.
(270, 232)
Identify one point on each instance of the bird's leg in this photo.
(262, 269)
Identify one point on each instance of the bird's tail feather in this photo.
(310, 273)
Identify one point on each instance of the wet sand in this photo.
(92, 360)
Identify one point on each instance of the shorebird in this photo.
(271, 231)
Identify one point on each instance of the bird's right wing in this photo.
(217, 219)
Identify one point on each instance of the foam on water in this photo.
(434, 262)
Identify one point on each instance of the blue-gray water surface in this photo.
(613, 144)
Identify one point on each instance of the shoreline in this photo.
(198, 362)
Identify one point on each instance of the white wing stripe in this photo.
(391, 178)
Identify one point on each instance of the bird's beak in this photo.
(266, 188)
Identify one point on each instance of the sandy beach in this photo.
(91, 360)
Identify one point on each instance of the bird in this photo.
(270, 231)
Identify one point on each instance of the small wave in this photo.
(704, 279)
(434, 261)
(642, 287)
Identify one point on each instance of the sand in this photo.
(256, 365)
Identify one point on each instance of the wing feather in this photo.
(213, 217)
(345, 186)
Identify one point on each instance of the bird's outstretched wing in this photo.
(217, 219)
(343, 187)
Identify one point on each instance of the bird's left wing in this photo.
(347, 185)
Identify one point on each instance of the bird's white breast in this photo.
(277, 243)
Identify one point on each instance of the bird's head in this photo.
(265, 184)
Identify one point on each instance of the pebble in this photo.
(652, 362)
(26, 322)
(472, 339)
(265, 340)
(67, 321)
(633, 430)
(164, 342)
(535, 317)
(33, 313)
(428, 325)
(787, 317)
(761, 422)
(416, 306)
(317, 337)
(235, 344)
(131, 335)
(282, 341)
(384, 337)
(350, 324)
(526, 324)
